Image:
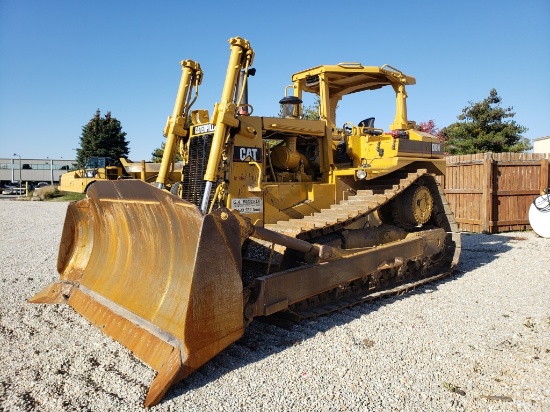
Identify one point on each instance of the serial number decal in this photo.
(436, 147)
(204, 128)
(247, 154)
(247, 205)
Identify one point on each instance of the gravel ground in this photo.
(477, 341)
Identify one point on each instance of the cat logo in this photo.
(247, 154)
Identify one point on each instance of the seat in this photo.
(368, 122)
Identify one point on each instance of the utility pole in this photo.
(15, 154)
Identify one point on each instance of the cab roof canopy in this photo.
(347, 78)
(331, 83)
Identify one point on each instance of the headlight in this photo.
(90, 173)
(361, 174)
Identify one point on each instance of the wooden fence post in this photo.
(544, 172)
(487, 187)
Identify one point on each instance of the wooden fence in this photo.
(492, 192)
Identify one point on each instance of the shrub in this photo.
(46, 192)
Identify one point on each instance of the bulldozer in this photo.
(273, 217)
(105, 168)
(149, 171)
(96, 168)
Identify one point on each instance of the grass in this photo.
(51, 193)
(67, 197)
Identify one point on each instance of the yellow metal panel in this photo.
(286, 201)
(285, 195)
(310, 127)
(246, 166)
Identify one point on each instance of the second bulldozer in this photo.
(273, 215)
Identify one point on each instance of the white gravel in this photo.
(479, 341)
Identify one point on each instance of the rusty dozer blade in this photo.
(152, 272)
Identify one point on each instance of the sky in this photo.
(61, 60)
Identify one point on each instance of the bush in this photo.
(46, 192)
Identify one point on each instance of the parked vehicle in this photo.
(13, 190)
(40, 185)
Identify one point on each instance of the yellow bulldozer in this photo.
(273, 216)
(96, 168)
(105, 168)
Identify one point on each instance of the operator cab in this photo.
(94, 164)
(97, 162)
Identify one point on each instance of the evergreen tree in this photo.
(102, 137)
(483, 127)
(156, 155)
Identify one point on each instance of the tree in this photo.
(427, 127)
(431, 128)
(483, 127)
(156, 155)
(312, 112)
(102, 137)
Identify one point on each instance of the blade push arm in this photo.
(224, 115)
(191, 78)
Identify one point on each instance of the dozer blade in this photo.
(152, 272)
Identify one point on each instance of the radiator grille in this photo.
(193, 183)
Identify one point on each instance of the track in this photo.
(348, 211)
(358, 208)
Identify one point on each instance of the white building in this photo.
(541, 145)
(33, 170)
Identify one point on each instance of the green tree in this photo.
(485, 127)
(312, 112)
(102, 137)
(156, 155)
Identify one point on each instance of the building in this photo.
(541, 145)
(33, 170)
